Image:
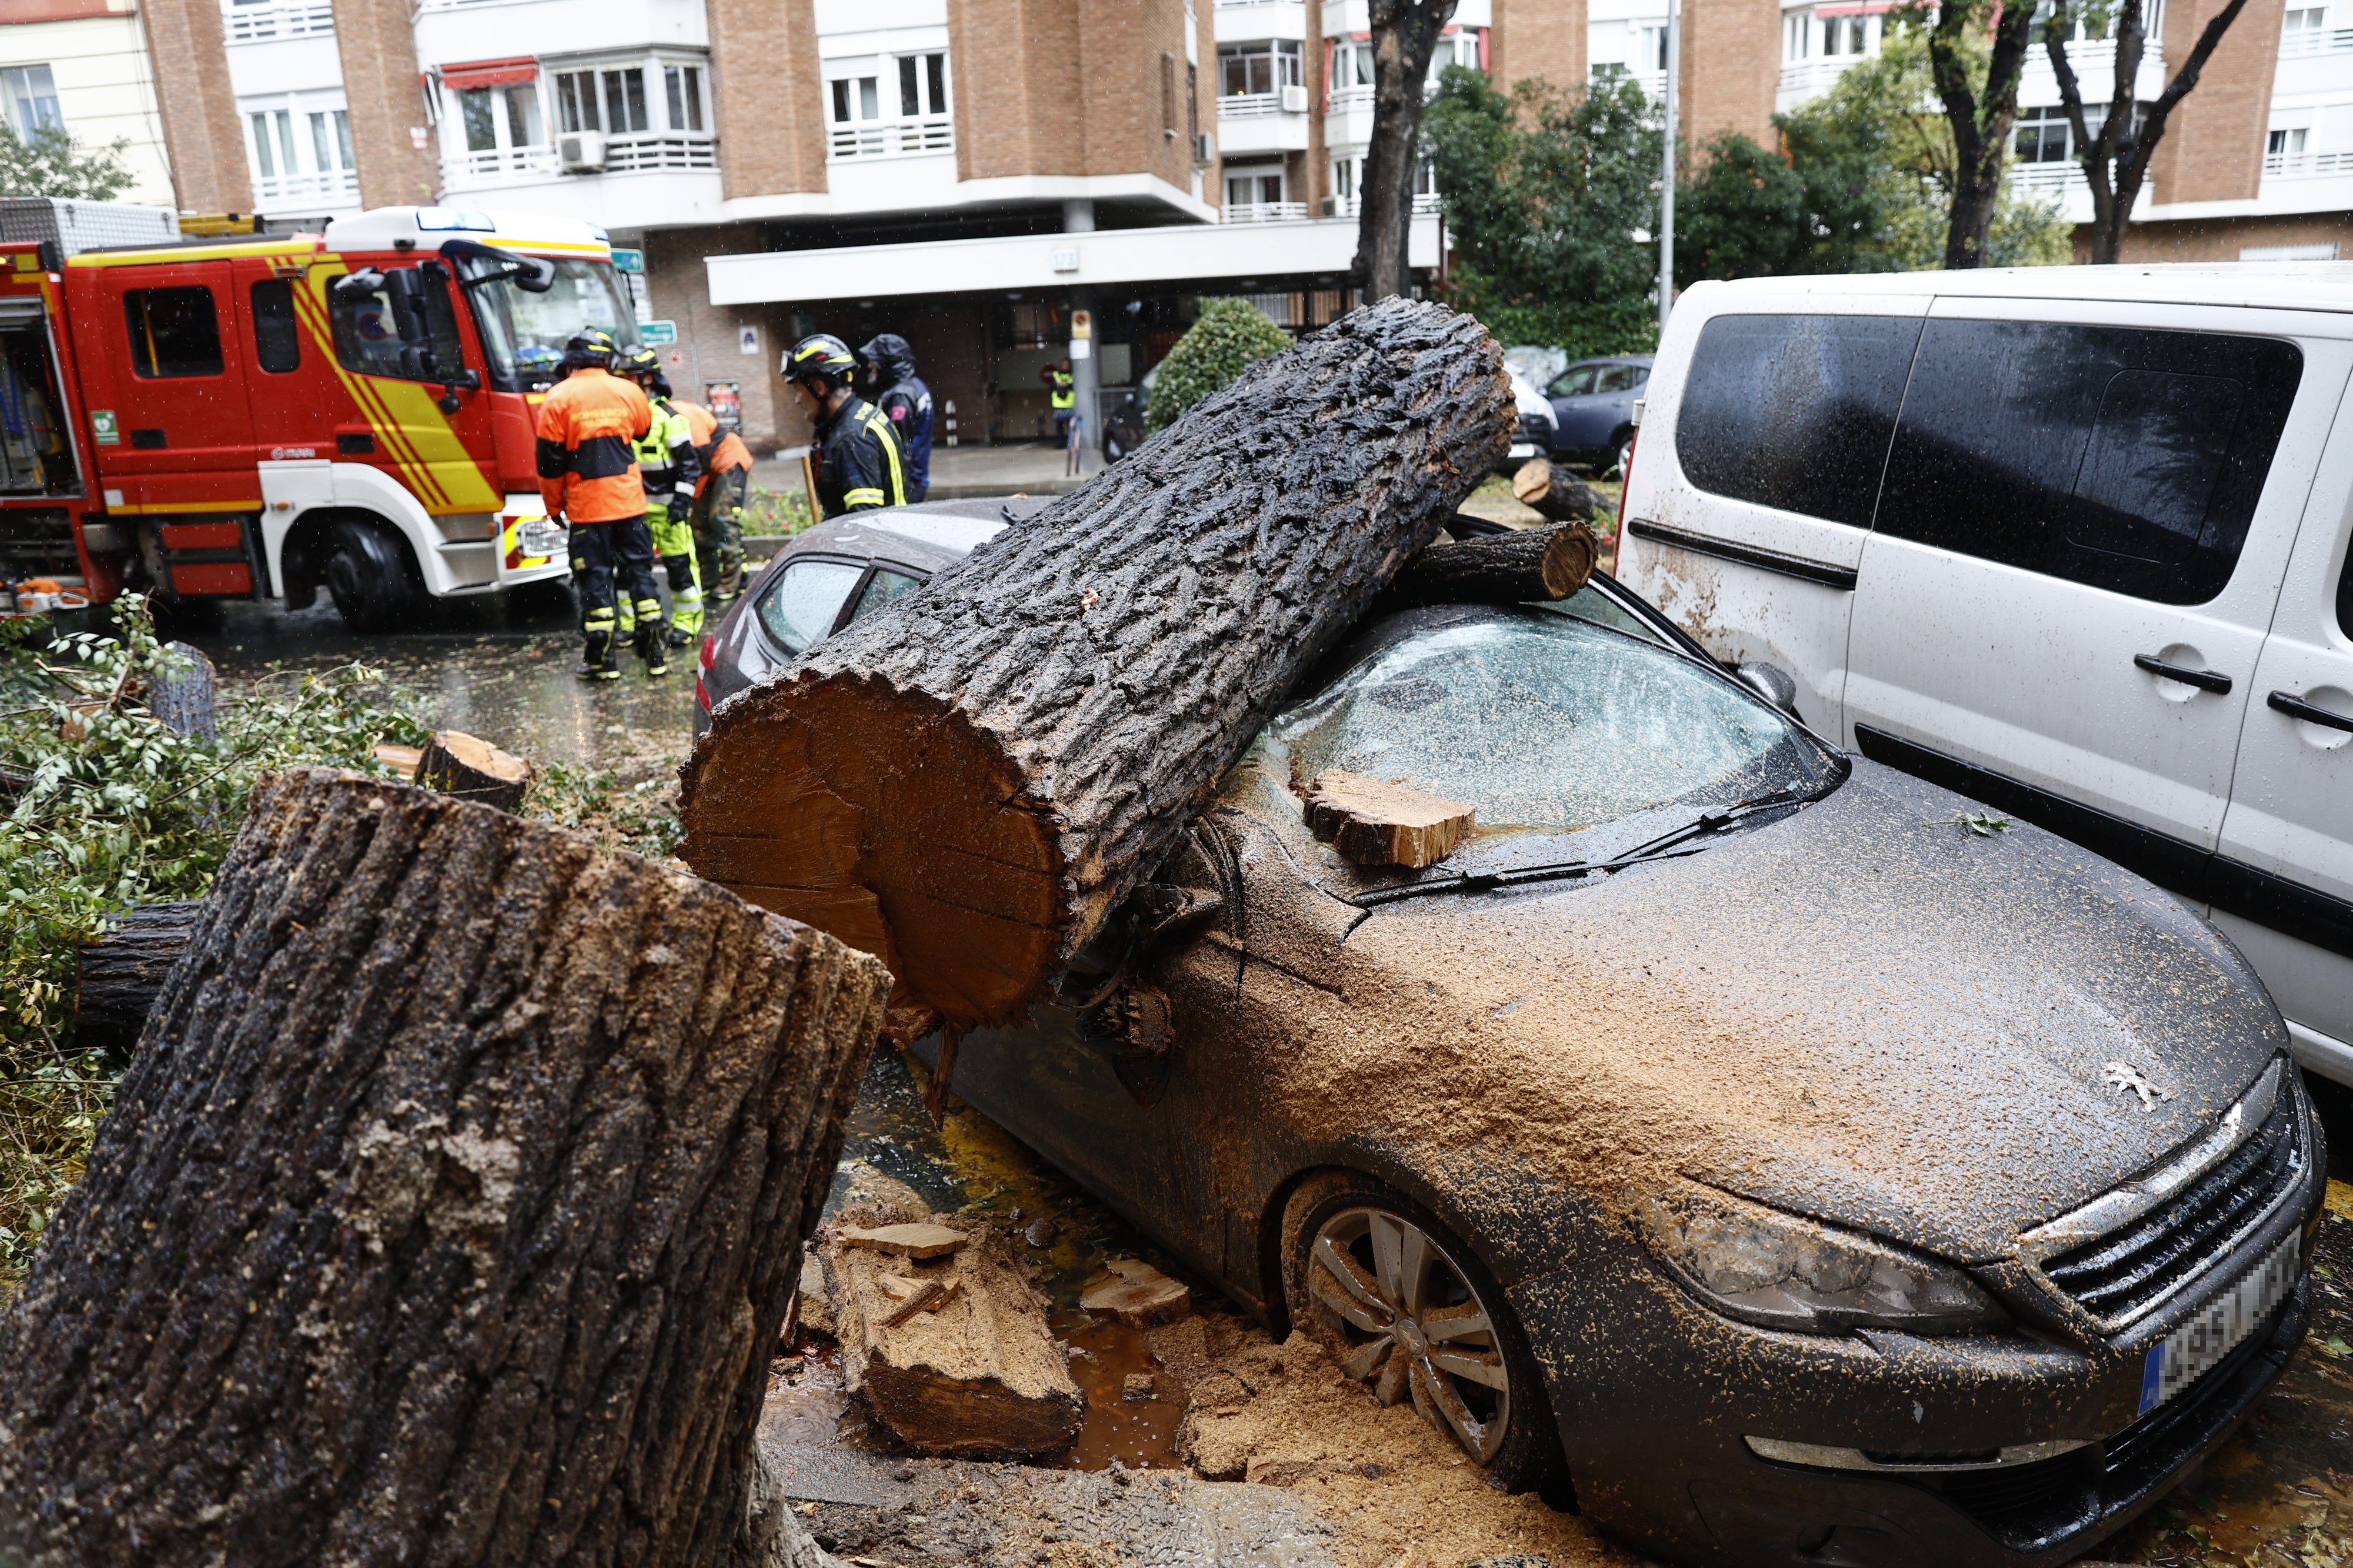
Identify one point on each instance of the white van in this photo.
(2071, 540)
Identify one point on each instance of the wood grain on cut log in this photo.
(446, 1216)
(1556, 493)
(1531, 564)
(1378, 823)
(966, 782)
(457, 764)
(120, 976)
(979, 1373)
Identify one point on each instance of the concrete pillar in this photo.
(1086, 369)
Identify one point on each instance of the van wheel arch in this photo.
(363, 560)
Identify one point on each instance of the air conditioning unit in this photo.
(1294, 100)
(581, 152)
(1205, 148)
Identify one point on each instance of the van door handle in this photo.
(2204, 680)
(2297, 708)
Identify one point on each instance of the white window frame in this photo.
(31, 100)
(866, 112)
(463, 164)
(315, 126)
(666, 141)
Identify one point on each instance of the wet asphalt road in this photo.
(2278, 1495)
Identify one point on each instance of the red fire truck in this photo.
(261, 417)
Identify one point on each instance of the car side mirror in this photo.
(1772, 682)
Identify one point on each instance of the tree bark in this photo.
(1554, 493)
(981, 1376)
(457, 764)
(1532, 563)
(1405, 34)
(121, 973)
(966, 783)
(448, 1216)
(1980, 121)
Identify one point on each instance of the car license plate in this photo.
(2220, 1327)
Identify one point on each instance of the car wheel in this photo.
(1406, 1310)
(1619, 455)
(368, 578)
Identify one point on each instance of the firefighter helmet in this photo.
(591, 346)
(643, 362)
(820, 357)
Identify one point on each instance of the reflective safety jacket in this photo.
(859, 463)
(719, 450)
(588, 431)
(666, 456)
(1065, 393)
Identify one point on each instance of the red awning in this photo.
(490, 73)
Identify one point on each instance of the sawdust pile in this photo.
(1401, 1494)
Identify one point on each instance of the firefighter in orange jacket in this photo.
(588, 431)
(726, 475)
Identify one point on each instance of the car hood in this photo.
(1860, 1011)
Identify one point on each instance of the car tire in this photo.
(1622, 452)
(369, 577)
(1507, 1429)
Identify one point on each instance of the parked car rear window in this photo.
(798, 608)
(1794, 412)
(881, 589)
(1574, 381)
(1541, 720)
(173, 331)
(2116, 456)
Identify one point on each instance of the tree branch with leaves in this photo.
(1405, 36)
(50, 163)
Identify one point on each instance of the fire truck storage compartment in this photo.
(36, 457)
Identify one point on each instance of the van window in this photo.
(277, 346)
(368, 333)
(2116, 456)
(173, 331)
(1794, 412)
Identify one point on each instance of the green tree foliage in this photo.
(1546, 188)
(1225, 339)
(52, 164)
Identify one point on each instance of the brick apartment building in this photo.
(969, 173)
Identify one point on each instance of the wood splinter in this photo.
(1377, 823)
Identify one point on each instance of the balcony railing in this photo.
(659, 150)
(1351, 100)
(2306, 165)
(2055, 175)
(266, 19)
(634, 154)
(1265, 212)
(2316, 42)
(1804, 76)
(1345, 207)
(334, 188)
(497, 166)
(1250, 105)
(895, 137)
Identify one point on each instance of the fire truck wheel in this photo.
(369, 577)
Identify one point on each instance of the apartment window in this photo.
(299, 147)
(1845, 37)
(1248, 70)
(2044, 136)
(890, 105)
(496, 118)
(1168, 92)
(31, 94)
(1797, 38)
(1252, 187)
(2310, 19)
(173, 331)
(614, 100)
(683, 87)
(2284, 143)
(1652, 54)
(1352, 66)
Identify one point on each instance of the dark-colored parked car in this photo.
(1723, 1132)
(1593, 409)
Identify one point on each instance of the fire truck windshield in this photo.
(524, 334)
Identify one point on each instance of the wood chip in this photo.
(1378, 823)
(922, 1240)
(402, 759)
(927, 1295)
(1140, 1295)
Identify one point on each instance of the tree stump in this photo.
(185, 700)
(1531, 564)
(120, 975)
(1558, 494)
(978, 1376)
(457, 764)
(447, 1215)
(966, 783)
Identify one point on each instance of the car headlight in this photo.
(1785, 1273)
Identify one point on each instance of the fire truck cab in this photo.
(265, 416)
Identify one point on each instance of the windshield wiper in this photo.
(1687, 839)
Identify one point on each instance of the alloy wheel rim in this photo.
(1413, 1325)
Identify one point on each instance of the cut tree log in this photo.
(966, 784)
(449, 1214)
(457, 764)
(978, 1376)
(921, 1241)
(1377, 823)
(118, 977)
(1555, 492)
(186, 698)
(1531, 564)
(1138, 1295)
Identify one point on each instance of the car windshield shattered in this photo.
(1544, 722)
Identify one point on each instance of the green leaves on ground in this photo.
(1225, 339)
(1979, 824)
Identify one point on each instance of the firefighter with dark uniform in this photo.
(904, 400)
(726, 476)
(858, 461)
(668, 460)
(589, 430)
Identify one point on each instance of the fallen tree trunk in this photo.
(119, 976)
(1554, 491)
(449, 1214)
(1534, 563)
(978, 1372)
(966, 784)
